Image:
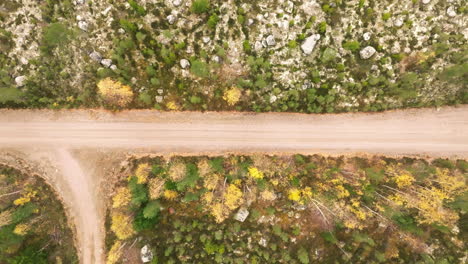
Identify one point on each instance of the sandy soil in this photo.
(80, 151)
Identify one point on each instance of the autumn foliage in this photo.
(232, 96)
(114, 93)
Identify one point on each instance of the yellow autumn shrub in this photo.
(404, 180)
(294, 194)
(172, 105)
(233, 197)
(21, 229)
(255, 173)
(122, 225)
(26, 198)
(114, 253)
(232, 96)
(170, 195)
(142, 172)
(122, 197)
(114, 92)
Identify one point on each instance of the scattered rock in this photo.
(289, 7)
(366, 36)
(241, 215)
(121, 31)
(177, 2)
(206, 39)
(95, 56)
(309, 44)
(158, 99)
(146, 254)
(113, 67)
(79, 18)
(20, 81)
(300, 207)
(367, 52)
(106, 11)
(160, 91)
(273, 99)
(24, 61)
(262, 242)
(184, 63)
(79, 2)
(258, 45)
(398, 22)
(217, 59)
(306, 85)
(83, 25)
(451, 12)
(270, 40)
(426, 1)
(106, 63)
(250, 22)
(171, 19)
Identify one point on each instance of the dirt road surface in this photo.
(411, 132)
(59, 135)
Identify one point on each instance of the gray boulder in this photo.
(83, 25)
(146, 254)
(20, 81)
(95, 56)
(241, 215)
(184, 63)
(171, 19)
(106, 63)
(367, 52)
(309, 44)
(270, 40)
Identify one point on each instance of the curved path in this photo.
(414, 132)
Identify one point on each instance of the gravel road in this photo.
(414, 132)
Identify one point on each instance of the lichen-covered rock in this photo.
(367, 52)
(309, 44)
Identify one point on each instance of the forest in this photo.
(33, 224)
(289, 209)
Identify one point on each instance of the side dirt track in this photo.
(79, 151)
